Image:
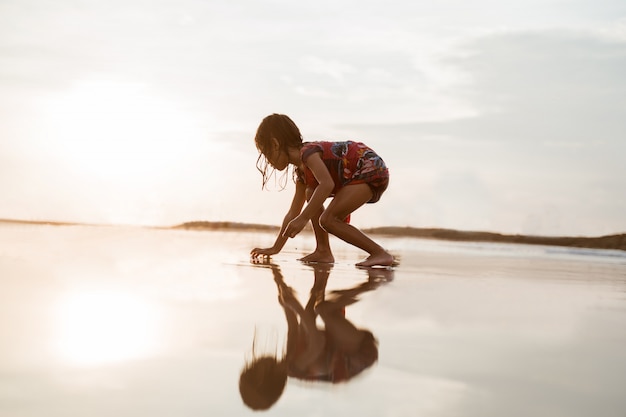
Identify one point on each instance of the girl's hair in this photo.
(262, 382)
(263, 378)
(282, 128)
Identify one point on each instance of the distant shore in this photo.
(616, 242)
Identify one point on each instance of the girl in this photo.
(350, 171)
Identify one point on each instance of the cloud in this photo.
(557, 74)
(543, 88)
(332, 68)
(548, 131)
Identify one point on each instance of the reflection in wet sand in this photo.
(334, 353)
(130, 322)
(99, 327)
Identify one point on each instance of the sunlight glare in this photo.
(101, 327)
(119, 130)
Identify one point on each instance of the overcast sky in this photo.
(506, 116)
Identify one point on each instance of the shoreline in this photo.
(614, 242)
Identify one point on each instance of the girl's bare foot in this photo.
(319, 257)
(377, 259)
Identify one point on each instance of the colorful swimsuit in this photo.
(348, 163)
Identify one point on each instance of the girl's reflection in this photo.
(335, 353)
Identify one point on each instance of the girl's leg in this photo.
(347, 200)
(344, 334)
(306, 329)
(322, 252)
(318, 291)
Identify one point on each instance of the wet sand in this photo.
(102, 321)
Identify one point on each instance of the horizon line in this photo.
(613, 241)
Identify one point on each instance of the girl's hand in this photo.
(263, 252)
(295, 226)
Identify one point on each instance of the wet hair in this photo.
(263, 377)
(262, 382)
(282, 128)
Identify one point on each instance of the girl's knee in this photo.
(328, 220)
(324, 220)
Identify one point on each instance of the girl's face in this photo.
(278, 158)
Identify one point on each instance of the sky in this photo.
(509, 116)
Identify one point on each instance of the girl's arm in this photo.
(299, 198)
(321, 193)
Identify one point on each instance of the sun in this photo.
(118, 131)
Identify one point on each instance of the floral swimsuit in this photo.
(348, 163)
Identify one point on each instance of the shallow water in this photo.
(103, 321)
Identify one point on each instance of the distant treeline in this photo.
(206, 225)
(38, 222)
(602, 242)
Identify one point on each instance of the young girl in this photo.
(350, 171)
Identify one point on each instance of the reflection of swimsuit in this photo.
(348, 163)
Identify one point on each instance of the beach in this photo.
(131, 321)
